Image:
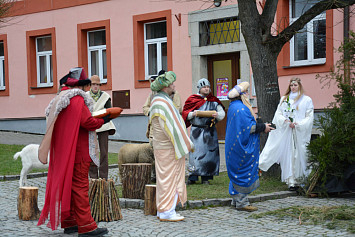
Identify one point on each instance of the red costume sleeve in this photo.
(194, 102)
(88, 122)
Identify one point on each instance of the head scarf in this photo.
(239, 91)
(163, 81)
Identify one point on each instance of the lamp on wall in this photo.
(217, 3)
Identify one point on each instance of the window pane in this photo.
(152, 59)
(97, 38)
(104, 63)
(51, 67)
(1, 49)
(42, 69)
(164, 57)
(155, 30)
(94, 62)
(301, 6)
(301, 45)
(319, 40)
(44, 44)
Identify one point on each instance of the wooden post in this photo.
(104, 201)
(27, 204)
(134, 178)
(150, 205)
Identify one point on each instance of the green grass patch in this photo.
(335, 217)
(218, 187)
(9, 166)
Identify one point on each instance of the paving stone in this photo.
(212, 221)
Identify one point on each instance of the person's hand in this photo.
(215, 115)
(194, 113)
(268, 128)
(106, 119)
(292, 125)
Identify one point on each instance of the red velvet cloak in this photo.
(194, 102)
(62, 158)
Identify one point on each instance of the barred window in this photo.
(219, 31)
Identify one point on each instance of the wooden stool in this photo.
(150, 205)
(27, 204)
(134, 178)
(104, 201)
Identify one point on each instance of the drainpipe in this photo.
(346, 40)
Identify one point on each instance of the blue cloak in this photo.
(241, 149)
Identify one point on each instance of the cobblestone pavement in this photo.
(216, 221)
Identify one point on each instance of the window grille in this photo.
(219, 31)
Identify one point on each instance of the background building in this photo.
(126, 42)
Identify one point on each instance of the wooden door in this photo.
(223, 72)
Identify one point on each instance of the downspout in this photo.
(346, 40)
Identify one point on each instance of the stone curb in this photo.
(36, 175)
(192, 204)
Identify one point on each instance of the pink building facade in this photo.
(126, 43)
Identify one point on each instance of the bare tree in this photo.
(264, 47)
(5, 6)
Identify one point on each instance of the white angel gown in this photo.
(288, 146)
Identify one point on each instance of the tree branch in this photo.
(314, 11)
(268, 15)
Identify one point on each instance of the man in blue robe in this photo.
(242, 147)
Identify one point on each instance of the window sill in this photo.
(304, 65)
(145, 80)
(42, 87)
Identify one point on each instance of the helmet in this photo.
(203, 82)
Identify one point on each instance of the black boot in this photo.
(97, 232)
(70, 230)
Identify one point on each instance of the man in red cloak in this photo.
(204, 161)
(70, 138)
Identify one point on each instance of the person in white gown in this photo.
(286, 145)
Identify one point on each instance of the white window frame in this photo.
(98, 48)
(2, 79)
(158, 42)
(47, 54)
(310, 47)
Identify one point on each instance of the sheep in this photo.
(136, 153)
(29, 157)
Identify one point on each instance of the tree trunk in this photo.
(27, 204)
(134, 178)
(263, 57)
(150, 205)
(104, 201)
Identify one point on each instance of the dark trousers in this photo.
(80, 214)
(102, 172)
(203, 178)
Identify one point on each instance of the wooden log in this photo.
(150, 205)
(134, 178)
(103, 200)
(27, 204)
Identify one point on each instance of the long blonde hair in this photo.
(300, 89)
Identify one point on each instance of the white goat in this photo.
(29, 157)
